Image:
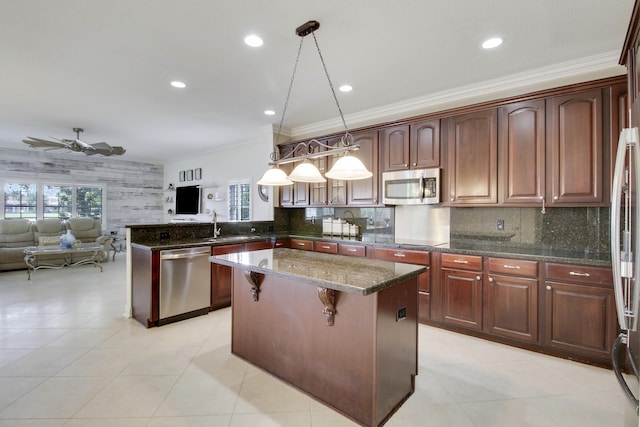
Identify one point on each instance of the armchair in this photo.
(15, 235)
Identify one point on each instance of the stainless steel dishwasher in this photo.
(185, 283)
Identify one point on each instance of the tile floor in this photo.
(68, 357)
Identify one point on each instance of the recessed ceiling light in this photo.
(491, 43)
(178, 84)
(253, 40)
(346, 88)
(269, 112)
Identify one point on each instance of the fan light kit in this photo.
(76, 145)
(346, 168)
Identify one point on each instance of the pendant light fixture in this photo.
(346, 168)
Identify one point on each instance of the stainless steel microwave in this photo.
(411, 187)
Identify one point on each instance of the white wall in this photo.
(246, 160)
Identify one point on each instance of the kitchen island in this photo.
(340, 329)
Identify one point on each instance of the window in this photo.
(36, 201)
(240, 201)
(20, 201)
(57, 201)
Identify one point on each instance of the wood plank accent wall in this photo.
(134, 189)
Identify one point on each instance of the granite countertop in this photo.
(360, 276)
(466, 247)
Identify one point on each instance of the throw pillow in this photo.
(48, 240)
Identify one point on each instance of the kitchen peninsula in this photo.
(342, 329)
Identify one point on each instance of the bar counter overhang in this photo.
(343, 330)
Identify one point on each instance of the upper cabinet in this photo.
(575, 149)
(365, 191)
(473, 158)
(521, 152)
(414, 146)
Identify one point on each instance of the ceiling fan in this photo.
(75, 145)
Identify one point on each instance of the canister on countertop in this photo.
(327, 226)
(336, 228)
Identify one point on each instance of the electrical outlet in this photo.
(401, 314)
(164, 235)
(500, 224)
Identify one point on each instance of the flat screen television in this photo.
(188, 200)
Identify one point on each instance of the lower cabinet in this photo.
(461, 287)
(424, 280)
(579, 310)
(221, 277)
(511, 299)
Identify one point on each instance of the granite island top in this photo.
(360, 276)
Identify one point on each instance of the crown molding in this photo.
(576, 71)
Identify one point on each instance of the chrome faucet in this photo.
(216, 230)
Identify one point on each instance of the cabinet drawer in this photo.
(227, 249)
(403, 255)
(305, 245)
(352, 250)
(579, 273)
(330, 248)
(280, 243)
(463, 262)
(256, 246)
(516, 267)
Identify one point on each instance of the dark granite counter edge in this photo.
(565, 257)
(326, 283)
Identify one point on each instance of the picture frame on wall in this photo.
(190, 175)
(198, 173)
(181, 176)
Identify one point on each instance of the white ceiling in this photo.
(106, 65)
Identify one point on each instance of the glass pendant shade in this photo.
(349, 168)
(274, 176)
(306, 172)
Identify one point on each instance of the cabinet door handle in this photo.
(399, 255)
(478, 277)
(415, 164)
(491, 279)
(302, 244)
(351, 249)
(514, 267)
(279, 244)
(461, 261)
(548, 287)
(325, 247)
(576, 273)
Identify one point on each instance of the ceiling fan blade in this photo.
(117, 150)
(43, 143)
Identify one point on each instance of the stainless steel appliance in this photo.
(185, 283)
(625, 247)
(411, 187)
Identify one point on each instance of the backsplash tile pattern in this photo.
(581, 229)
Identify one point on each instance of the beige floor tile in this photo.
(161, 361)
(193, 421)
(42, 362)
(262, 392)
(201, 394)
(418, 414)
(13, 388)
(32, 423)
(507, 413)
(81, 338)
(129, 396)
(101, 362)
(55, 398)
(107, 422)
(276, 419)
(33, 338)
(8, 356)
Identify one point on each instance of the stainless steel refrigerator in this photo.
(625, 247)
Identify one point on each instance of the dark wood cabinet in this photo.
(461, 286)
(364, 192)
(575, 149)
(424, 279)
(394, 142)
(302, 244)
(473, 158)
(412, 146)
(579, 310)
(511, 299)
(221, 277)
(352, 250)
(521, 153)
(326, 247)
